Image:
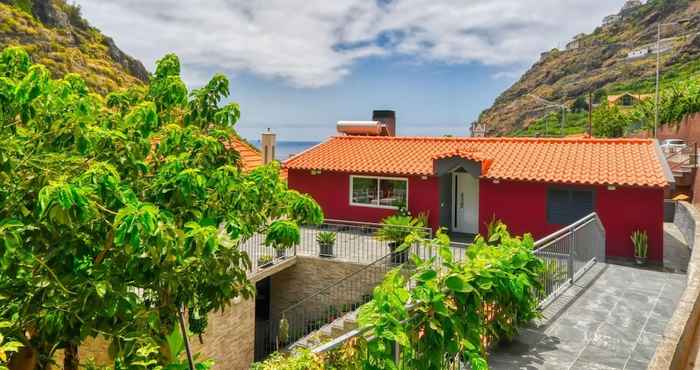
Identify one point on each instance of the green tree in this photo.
(117, 211)
(580, 105)
(609, 121)
(600, 96)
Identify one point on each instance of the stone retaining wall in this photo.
(674, 349)
(311, 274)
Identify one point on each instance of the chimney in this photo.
(268, 142)
(388, 119)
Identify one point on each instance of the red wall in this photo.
(332, 191)
(522, 206)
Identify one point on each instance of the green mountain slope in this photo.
(55, 34)
(601, 63)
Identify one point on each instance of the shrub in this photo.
(325, 237)
(397, 228)
(640, 241)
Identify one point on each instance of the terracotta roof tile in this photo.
(622, 162)
(250, 156)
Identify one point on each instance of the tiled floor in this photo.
(612, 318)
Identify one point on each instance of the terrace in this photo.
(595, 314)
(355, 243)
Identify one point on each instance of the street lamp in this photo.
(551, 104)
(658, 66)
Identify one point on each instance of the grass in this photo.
(674, 74)
(576, 123)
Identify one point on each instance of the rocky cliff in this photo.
(56, 35)
(601, 60)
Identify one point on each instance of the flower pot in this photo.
(640, 260)
(281, 253)
(325, 250)
(398, 257)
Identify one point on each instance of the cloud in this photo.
(316, 43)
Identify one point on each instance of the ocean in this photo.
(285, 149)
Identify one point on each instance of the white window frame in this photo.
(379, 180)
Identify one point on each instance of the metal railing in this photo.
(355, 242)
(326, 305)
(569, 253)
(262, 256)
(682, 158)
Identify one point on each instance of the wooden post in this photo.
(186, 340)
(590, 114)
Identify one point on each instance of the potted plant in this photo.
(394, 230)
(282, 235)
(641, 244)
(264, 261)
(325, 240)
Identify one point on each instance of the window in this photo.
(566, 206)
(380, 192)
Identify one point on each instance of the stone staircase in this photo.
(335, 329)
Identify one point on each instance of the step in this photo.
(338, 327)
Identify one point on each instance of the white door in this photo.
(465, 203)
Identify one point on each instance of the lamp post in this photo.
(658, 67)
(551, 104)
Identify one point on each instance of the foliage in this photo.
(454, 313)
(600, 96)
(301, 360)
(641, 243)
(396, 228)
(264, 259)
(116, 212)
(325, 237)
(580, 104)
(675, 104)
(609, 121)
(7, 348)
(282, 235)
(457, 308)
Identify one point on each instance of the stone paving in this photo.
(612, 318)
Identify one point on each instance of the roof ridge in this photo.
(500, 139)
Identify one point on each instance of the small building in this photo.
(533, 185)
(611, 19)
(477, 129)
(628, 99)
(577, 42)
(638, 53)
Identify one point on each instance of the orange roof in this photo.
(623, 162)
(250, 156)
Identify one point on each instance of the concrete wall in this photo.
(688, 130)
(673, 351)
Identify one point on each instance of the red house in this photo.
(534, 185)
